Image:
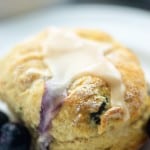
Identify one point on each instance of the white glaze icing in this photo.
(69, 56)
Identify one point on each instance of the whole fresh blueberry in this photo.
(3, 118)
(14, 136)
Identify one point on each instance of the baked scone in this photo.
(76, 90)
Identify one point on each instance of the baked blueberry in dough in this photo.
(76, 90)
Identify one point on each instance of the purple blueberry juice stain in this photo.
(52, 101)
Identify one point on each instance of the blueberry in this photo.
(95, 116)
(14, 136)
(3, 118)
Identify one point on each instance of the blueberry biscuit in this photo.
(76, 90)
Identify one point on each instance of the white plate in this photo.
(129, 26)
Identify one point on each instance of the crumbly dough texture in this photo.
(73, 128)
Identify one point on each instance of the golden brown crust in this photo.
(23, 90)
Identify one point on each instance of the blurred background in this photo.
(136, 3)
(15, 7)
